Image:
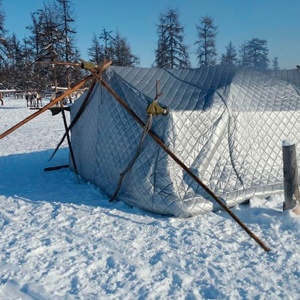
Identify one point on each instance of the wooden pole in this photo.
(56, 168)
(97, 70)
(76, 118)
(60, 63)
(180, 163)
(69, 140)
(44, 108)
(290, 176)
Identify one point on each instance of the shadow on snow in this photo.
(23, 176)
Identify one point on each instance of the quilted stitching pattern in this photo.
(226, 124)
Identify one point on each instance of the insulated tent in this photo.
(227, 124)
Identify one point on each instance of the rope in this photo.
(153, 109)
(137, 153)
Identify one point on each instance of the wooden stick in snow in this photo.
(290, 176)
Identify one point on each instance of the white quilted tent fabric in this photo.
(227, 124)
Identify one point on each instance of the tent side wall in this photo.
(194, 130)
(264, 112)
(105, 140)
(225, 124)
(84, 138)
(149, 183)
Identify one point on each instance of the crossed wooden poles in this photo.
(96, 73)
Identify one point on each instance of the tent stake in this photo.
(69, 140)
(180, 163)
(56, 168)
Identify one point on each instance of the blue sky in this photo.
(277, 21)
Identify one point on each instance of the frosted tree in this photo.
(171, 52)
(207, 32)
(230, 57)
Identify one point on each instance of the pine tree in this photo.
(275, 65)
(46, 39)
(254, 54)
(122, 55)
(3, 42)
(171, 52)
(95, 52)
(115, 48)
(230, 57)
(4, 46)
(207, 31)
(107, 38)
(66, 21)
(53, 39)
(16, 61)
(67, 42)
(244, 59)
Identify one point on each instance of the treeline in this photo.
(53, 38)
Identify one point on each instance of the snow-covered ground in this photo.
(61, 239)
